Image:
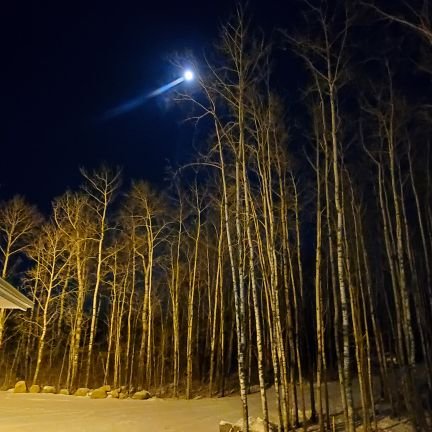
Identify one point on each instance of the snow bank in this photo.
(52, 413)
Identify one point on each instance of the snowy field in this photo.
(49, 413)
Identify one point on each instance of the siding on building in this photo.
(11, 298)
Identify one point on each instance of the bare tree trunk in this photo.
(101, 188)
(318, 292)
(218, 299)
(191, 294)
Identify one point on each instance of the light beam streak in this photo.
(135, 103)
(166, 87)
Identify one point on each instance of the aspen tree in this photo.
(325, 61)
(198, 209)
(50, 253)
(231, 139)
(18, 223)
(100, 187)
(72, 219)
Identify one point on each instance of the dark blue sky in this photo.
(65, 63)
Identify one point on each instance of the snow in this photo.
(49, 412)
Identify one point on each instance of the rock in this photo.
(107, 388)
(141, 395)
(82, 391)
(48, 389)
(99, 393)
(34, 389)
(20, 387)
(228, 427)
(258, 425)
(255, 425)
(115, 393)
(64, 392)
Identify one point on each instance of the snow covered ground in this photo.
(49, 413)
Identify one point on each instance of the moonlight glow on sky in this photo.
(188, 75)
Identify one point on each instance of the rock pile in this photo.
(99, 393)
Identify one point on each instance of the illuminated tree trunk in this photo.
(346, 387)
(191, 295)
(101, 187)
(218, 300)
(354, 290)
(49, 254)
(71, 218)
(427, 351)
(318, 286)
(175, 295)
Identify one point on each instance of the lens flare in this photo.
(134, 103)
(188, 75)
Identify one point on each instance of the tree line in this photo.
(280, 257)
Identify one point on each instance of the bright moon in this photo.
(188, 75)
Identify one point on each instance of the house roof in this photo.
(11, 298)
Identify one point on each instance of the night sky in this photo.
(64, 64)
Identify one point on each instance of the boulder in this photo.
(115, 393)
(48, 389)
(141, 395)
(82, 391)
(228, 427)
(107, 388)
(99, 393)
(255, 425)
(64, 392)
(34, 388)
(20, 387)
